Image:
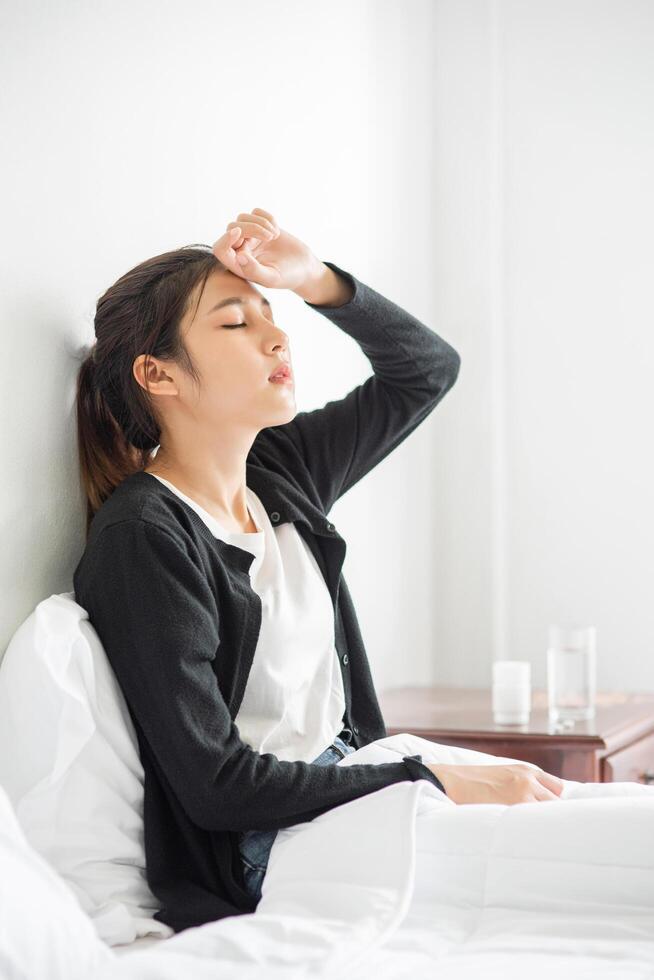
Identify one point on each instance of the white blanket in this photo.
(405, 883)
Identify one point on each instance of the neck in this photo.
(221, 494)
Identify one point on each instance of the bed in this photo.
(535, 889)
(402, 882)
(405, 883)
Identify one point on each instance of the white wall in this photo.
(139, 126)
(486, 165)
(544, 160)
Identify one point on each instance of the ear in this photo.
(153, 375)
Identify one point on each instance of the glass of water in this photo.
(571, 672)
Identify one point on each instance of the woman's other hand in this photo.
(254, 247)
(516, 783)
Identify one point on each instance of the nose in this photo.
(282, 341)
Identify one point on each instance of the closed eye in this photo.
(231, 326)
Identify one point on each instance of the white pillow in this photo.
(45, 934)
(70, 765)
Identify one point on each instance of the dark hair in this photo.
(117, 426)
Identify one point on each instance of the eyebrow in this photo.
(236, 300)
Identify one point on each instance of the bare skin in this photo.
(508, 784)
(206, 433)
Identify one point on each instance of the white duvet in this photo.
(404, 883)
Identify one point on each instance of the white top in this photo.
(294, 701)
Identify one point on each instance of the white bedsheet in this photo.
(405, 883)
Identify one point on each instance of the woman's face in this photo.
(236, 346)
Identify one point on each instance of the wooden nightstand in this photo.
(616, 746)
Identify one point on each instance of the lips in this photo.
(281, 372)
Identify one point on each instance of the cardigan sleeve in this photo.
(158, 620)
(413, 369)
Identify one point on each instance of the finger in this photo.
(223, 247)
(236, 235)
(224, 251)
(248, 234)
(244, 258)
(266, 214)
(228, 238)
(543, 794)
(550, 781)
(257, 220)
(251, 229)
(240, 240)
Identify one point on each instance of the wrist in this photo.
(323, 287)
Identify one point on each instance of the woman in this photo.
(211, 572)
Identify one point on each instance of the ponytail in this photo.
(117, 426)
(106, 457)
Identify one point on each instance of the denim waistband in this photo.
(345, 735)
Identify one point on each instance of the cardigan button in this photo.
(346, 659)
(355, 729)
(274, 516)
(330, 527)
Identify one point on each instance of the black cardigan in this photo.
(179, 621)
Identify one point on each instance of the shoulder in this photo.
(141, 513)
(142, 500)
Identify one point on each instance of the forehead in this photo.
(223, 289)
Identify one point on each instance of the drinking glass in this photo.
(571, 672)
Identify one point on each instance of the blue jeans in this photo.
(255, 845)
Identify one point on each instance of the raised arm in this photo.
(413, 369)
(341, 442)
